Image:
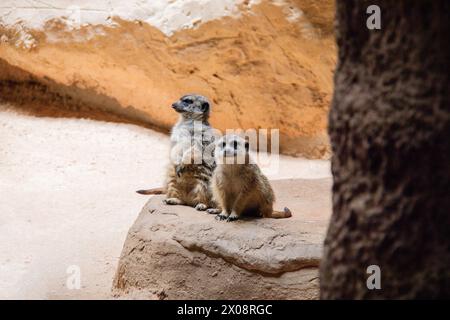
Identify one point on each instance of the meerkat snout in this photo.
(232, 149)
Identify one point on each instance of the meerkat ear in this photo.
(205, 106)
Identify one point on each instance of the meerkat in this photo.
(191, 167)
(238, 185)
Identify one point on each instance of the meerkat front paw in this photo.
(222, 216)
(213, 211)
(232, 217)
(201, 207)
(179, 170)
(172, 201)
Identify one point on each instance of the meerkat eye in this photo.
(235, 144)
(188, 101)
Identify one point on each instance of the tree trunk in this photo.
(389, 127)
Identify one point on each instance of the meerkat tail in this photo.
(286, 213)
(152, 191)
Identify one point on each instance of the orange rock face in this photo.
(266, 69)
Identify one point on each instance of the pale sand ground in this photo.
(67, 198)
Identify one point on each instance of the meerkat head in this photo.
(232, 149)
(193, 106)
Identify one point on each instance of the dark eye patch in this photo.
(188, 101)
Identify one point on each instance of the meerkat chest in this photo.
(187, 130)
(181, 135)
(231, 180)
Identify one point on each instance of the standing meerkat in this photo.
(238, 185)
(191, 155)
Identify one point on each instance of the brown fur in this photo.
(152, 191)
(242, 189)
(190, 170)
(191, 187)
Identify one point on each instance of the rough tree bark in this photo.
(389, 127)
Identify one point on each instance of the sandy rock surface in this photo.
(175, 252)
(270, 66)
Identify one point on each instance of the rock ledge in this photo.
(176, 252)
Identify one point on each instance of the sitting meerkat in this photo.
(238, 185)
(191, 167)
